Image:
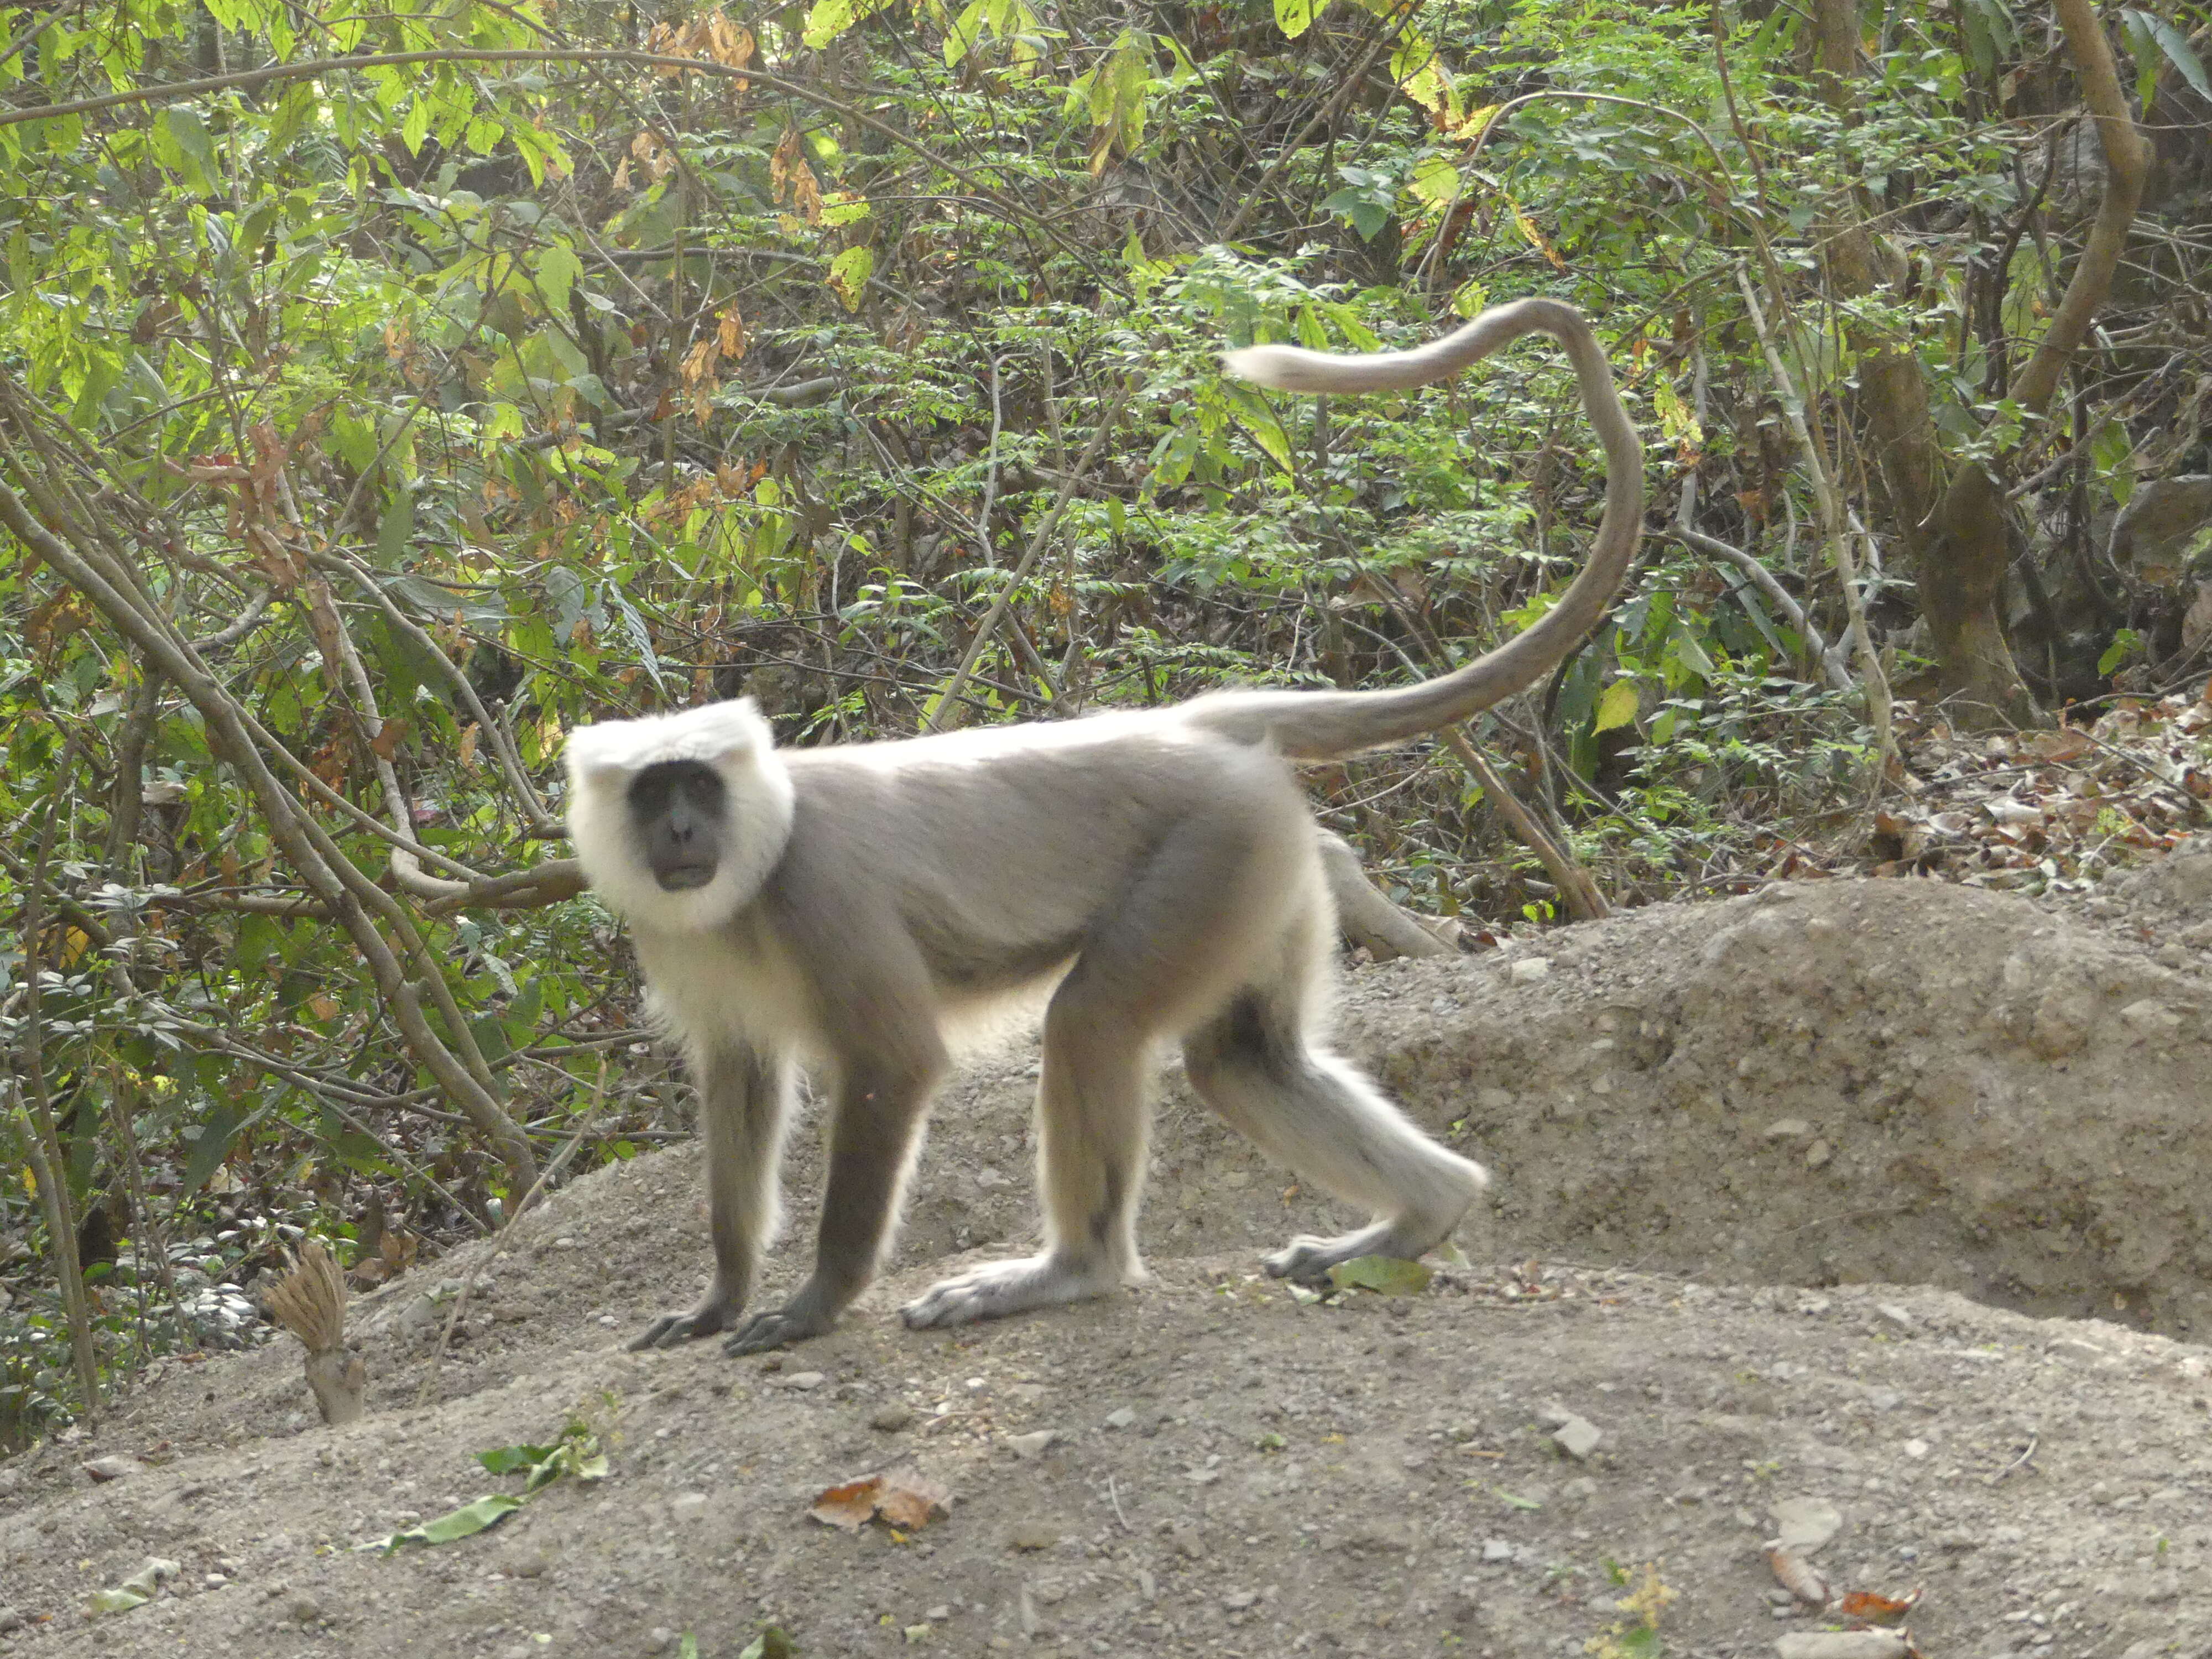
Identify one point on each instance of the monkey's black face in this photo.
(679, 809)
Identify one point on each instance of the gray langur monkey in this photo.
(1159, 870)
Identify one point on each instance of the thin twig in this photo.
(1584, 899)
(1837, 533)
(989, 625)
(40, 1138)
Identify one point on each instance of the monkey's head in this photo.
(678, 819)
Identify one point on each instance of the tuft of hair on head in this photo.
(734, 740)
(715, 733)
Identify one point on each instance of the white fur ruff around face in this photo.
(731, 738)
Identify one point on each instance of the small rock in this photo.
(1787, 1128)
(1843, 1645)
(1032, 1535)
(659, 1639)
(1804, 1524)
(688, 1506)
(1895, 1315)
(1122, 1419)
(1032, 1445)
(1885, 1400)
(11, 1619)
(804, 1381)
(1237, 1600)
(111, 1467)
(2076, 1352)
(1553, 1415)
(1578, 1437)
(938, 1615)
(1188, 1538)
(1497, 1549)
(890, 1419)
(1818, 1154)
(304, 1610)
(2150, 1017)
(1529, 969)
(1916, 1449)
(1581, 1489)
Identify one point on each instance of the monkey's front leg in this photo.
(744, 1100)
(879, 1108)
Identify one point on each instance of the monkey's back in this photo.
(1000, 850)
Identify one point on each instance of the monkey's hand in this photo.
(807, 1314)
(671, 1329)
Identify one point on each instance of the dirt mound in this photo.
(1902, 1081)
(1842, 1081)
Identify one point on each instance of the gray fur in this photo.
(1159, 871)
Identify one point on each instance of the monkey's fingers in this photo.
(672, 1330)
(806, 1315)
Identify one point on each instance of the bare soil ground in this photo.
(1726, 1138)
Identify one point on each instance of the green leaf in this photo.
(1684, 648)
(770, 1643)
(2183, 55)
(1358, 207)
(849, 275)
(1386, 1275)
(1295, 17)
(558, 270)
(181, 143)
(1515, 1499)
(2125, 644)
(463, 1522)
(826, 20)
(1617, 705)
(505, 1459)
(1254, 416)
(222, 1123)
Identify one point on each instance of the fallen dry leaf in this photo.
(850, 1506)
(2059, 747)
(903, 1497)
(1877, 1609)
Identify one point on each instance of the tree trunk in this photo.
(1957, 542)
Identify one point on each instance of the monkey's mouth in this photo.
(682, 877)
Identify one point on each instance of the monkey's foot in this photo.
(1307, 1259)
(998, 1288)
(807, 1314)
(671, 1329)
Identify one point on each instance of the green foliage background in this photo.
(589, 360)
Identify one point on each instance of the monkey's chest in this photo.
(711, 989)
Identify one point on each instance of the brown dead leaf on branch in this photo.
(903, 1496)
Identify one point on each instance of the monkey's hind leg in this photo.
(1092, 1119)
(1254, 1066)
(744, 1101)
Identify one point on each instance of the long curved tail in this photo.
(1325, 725)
